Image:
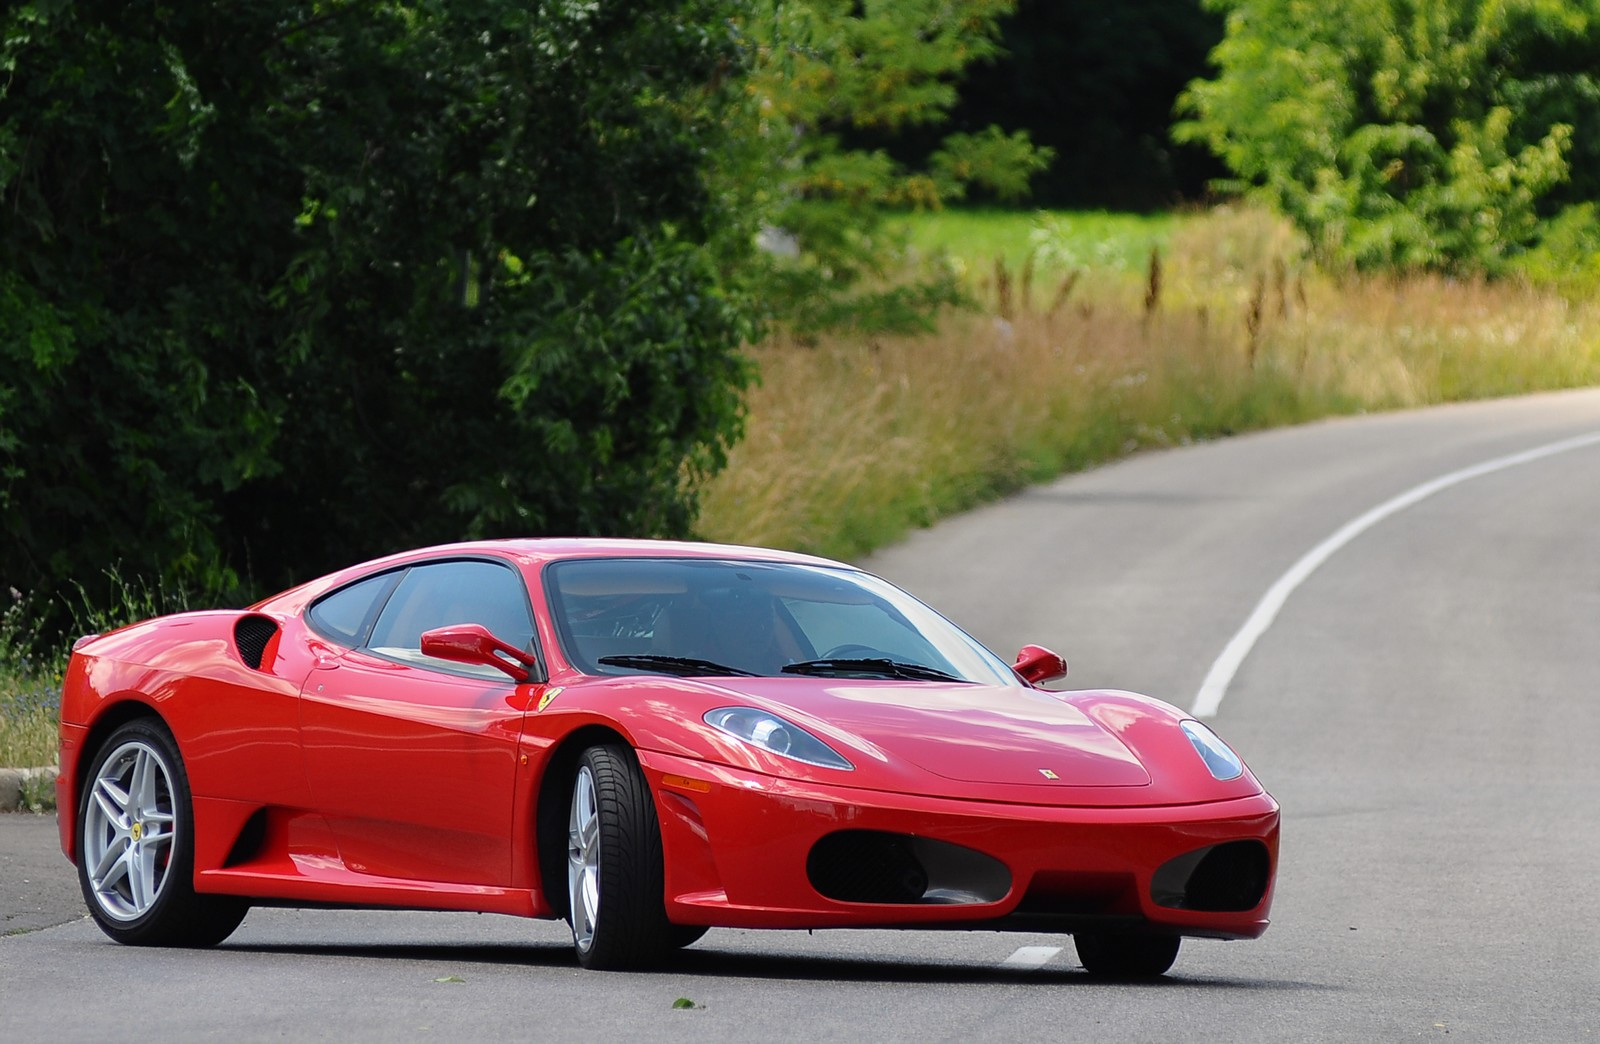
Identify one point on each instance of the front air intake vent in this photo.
(251, 636)
(867, 866)
(1228, 878)
(874, 866)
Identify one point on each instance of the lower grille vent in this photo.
(875, 866)
(1230, 877)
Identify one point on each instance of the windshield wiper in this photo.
(683, 666)
(879, 667)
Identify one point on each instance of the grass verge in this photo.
(30, 704)
(30, 686)
(30, 691)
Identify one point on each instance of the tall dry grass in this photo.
(850, 442)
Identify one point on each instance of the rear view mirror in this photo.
(472, 643)
(1037, 665)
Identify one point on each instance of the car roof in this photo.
(536, 551)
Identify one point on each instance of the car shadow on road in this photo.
(505, 953)
(834, 968)
(709, 962)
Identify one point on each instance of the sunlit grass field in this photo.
(1098, 240)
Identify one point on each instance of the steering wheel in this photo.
(850, 651)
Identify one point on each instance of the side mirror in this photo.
(472, 643)
(1037, 665)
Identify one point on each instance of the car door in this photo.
(413, 760)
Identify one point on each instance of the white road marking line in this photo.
(1217, 680)
(1028, 958)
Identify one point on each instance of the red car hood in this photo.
(970, 733)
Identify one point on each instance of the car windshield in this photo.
(720, 617)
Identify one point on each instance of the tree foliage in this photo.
(1409, 133)
(830, 82)
(288, 283)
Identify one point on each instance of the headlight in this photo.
(1223, 762)
(773, 734)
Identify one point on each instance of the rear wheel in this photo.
(136, 845)
(1126, 956)
(614, 865)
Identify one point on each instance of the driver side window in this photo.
(440, 594)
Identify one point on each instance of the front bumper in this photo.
(736, 847)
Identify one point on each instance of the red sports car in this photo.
(646, 739)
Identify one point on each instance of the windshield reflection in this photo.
(730, 617)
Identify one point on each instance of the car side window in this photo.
(345, 614)
(439, 594)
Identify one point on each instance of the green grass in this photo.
(30, 690)
(30, 706)
(30, 682)
(1056, 240)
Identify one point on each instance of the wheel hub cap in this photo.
(128, 828)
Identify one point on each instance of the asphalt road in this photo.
(1426, 706)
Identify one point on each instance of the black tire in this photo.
(136, 845)
(614, 864)
(1126, 956)
(683, 935)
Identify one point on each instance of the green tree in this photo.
(1409, 133)
(286, 284)
(830, 80)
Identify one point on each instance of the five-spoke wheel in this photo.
(128, 825)
(135, 852)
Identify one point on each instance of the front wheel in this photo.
(136, 845)
(614, 864)
(1126, 956)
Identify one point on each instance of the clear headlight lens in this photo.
(1222, 761)
(773, 734)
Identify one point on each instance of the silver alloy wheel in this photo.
(128, 830)
(583, 860)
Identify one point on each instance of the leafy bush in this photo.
(831, 83)
(1418, 134)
